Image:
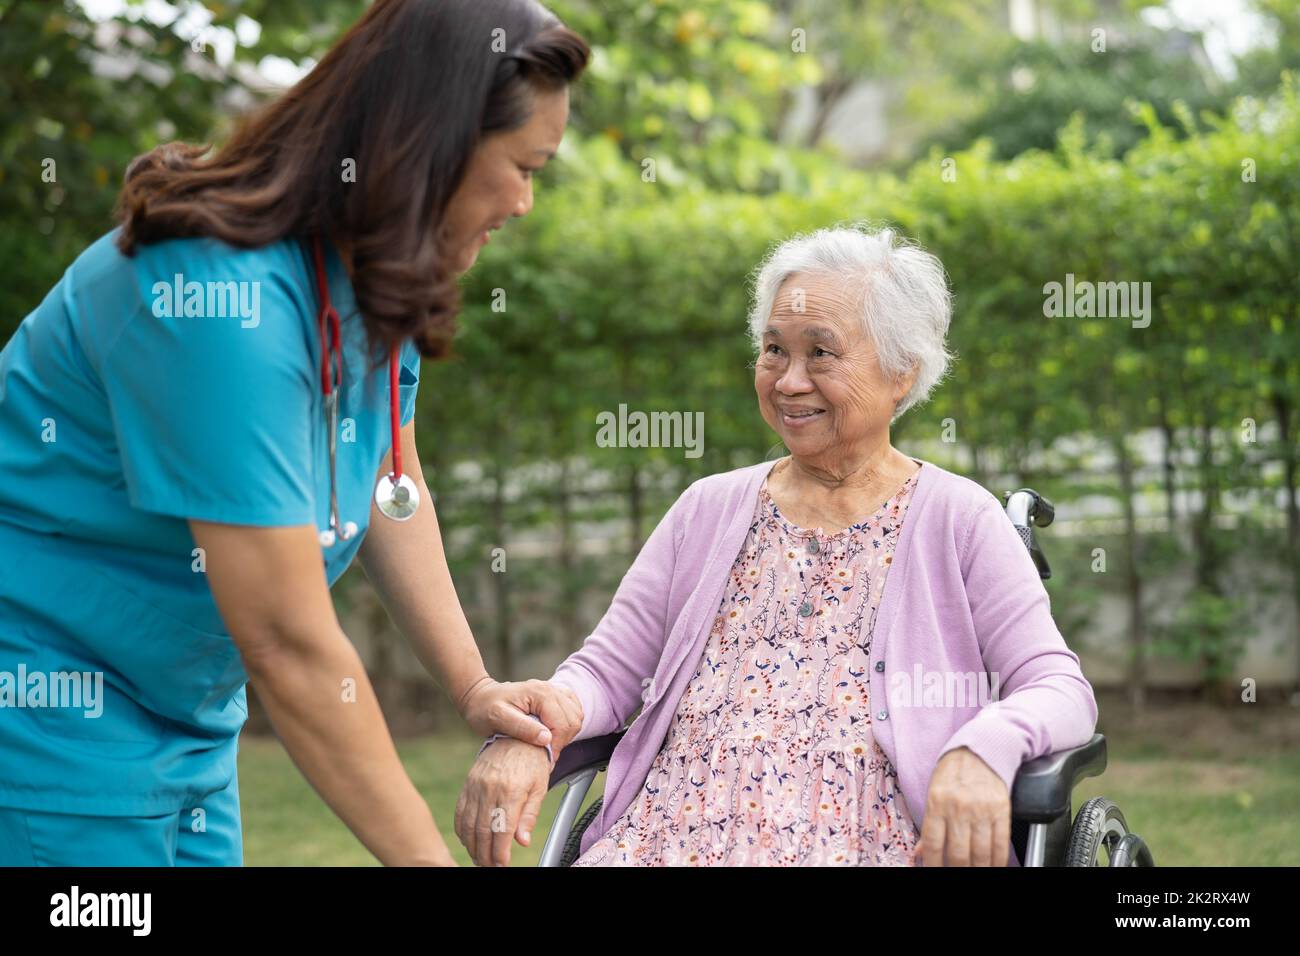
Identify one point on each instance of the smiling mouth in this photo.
(486, 235)
(802, 416)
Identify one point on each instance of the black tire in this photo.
(573, 845)
(1100, 824)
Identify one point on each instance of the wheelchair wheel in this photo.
(1101, 826)
(573, 844)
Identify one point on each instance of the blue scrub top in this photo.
(129, 404)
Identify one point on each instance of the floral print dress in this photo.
(769, 759)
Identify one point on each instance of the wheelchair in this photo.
(1044, 829)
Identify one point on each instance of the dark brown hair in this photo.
(407, 93)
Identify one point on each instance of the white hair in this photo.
(903, 291)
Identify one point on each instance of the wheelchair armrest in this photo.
(583, 755)
(1042, 788)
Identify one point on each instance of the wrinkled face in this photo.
(817, 377)
(498, 182)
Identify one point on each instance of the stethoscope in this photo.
(395, 493)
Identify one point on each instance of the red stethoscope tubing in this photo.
(396, 495)
(331, 359)
(394, 415)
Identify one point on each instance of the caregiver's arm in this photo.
(270, 587)
(405, 562)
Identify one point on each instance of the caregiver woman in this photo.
(167, 520)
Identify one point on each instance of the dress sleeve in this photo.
(1044, 702)
(213, 413)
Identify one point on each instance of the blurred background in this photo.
(1021, 141)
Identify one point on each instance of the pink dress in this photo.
(769, 759)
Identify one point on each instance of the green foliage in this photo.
(1065, 79)
(625, 289)
(1208, 630)
(639, 297)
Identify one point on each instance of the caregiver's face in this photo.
(498, 182)
(818, 381)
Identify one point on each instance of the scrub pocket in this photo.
(173, 669)
(208, 834)
(29, 838)
(114, 719)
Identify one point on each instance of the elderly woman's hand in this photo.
(967, 814)
(490, 707)
(501, 799)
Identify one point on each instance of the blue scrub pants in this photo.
(183, 838)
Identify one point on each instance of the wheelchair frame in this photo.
(1042, 833)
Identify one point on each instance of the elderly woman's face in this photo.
(818, 381)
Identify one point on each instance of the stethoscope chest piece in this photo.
(395, 493)
(397, 500)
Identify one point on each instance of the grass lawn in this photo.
(1203, 786)
(287, 824)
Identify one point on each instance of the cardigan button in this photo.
(813, 546)
(880, 666)
(805, 609)
(883, 715)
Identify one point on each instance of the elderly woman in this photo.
(804, 638)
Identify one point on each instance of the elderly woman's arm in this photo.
(1045, 703)
(504, 790)
(609, 673)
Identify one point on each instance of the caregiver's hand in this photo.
(490, 707)
(406, 563)
(967, 814)
(501, 800)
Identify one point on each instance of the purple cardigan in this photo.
(962, 602)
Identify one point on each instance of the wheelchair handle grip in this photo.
(1027, 508)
